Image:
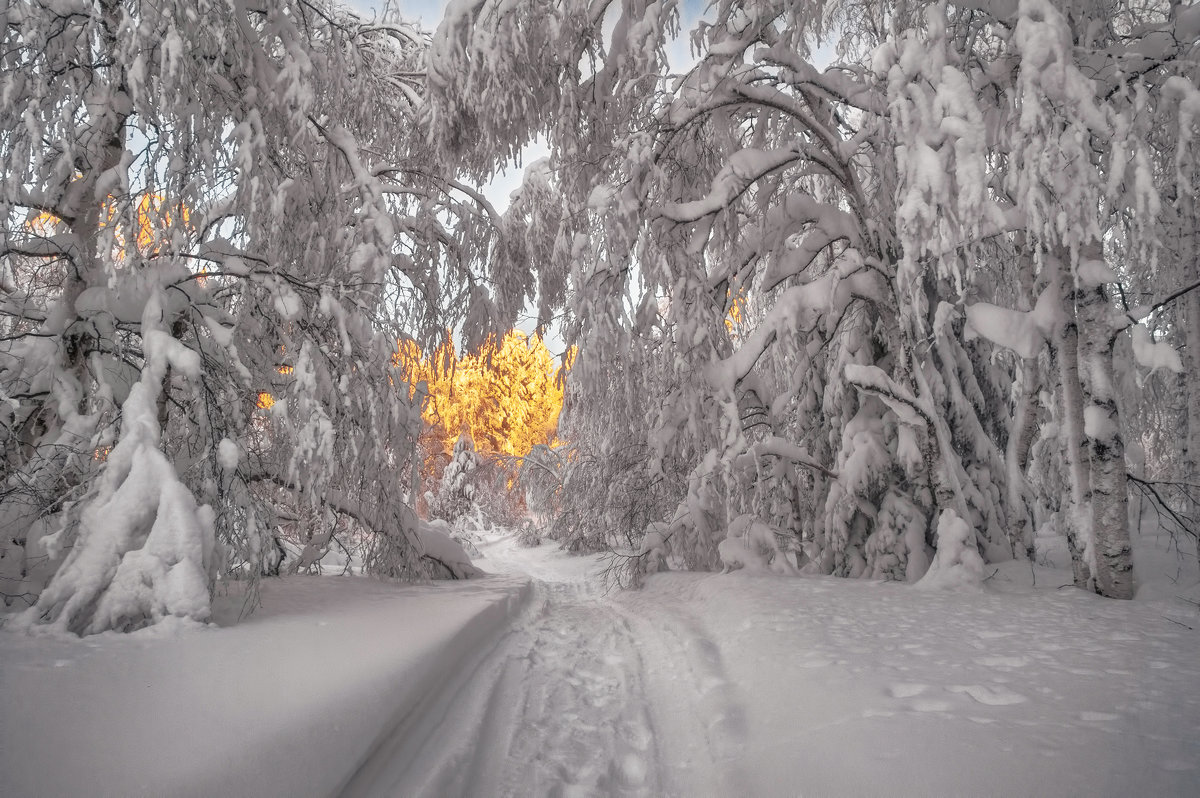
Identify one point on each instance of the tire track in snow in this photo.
(556, 708)
(697, 707)
(583, 726)
(583, 695)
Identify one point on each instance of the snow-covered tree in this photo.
(456, 494)
(168, 383)
(931, 236)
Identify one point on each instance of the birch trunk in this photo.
(1191, 440)
(1065, 352)
(1020, 440)
(1106, 443)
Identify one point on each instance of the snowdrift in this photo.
(288, 702)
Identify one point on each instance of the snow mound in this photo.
(751, 544)
(957, 563)
(654, 547)
(449, 558)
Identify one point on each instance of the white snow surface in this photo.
(288, 702)
(700, 684)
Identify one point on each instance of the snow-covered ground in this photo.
(697, 685)
(742, 685)
(286, 703)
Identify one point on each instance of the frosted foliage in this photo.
(822, 284)
(957, 564)
(896, 548)
(144, 550)
(239, 164)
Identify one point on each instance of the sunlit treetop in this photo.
(507, 395)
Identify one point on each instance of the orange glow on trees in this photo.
(154, 218)
(507, 395)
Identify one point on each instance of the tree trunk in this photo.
(1106, 443)
(1065, 352)
(1191, 440)
(1020, 439)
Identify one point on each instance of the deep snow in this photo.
(697, 685)
(285, 703)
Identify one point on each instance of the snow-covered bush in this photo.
(654, 549)
(528, 534)
(957, 563)
(754, 546)
(456, 492)
(446, 557)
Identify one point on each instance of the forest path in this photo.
(715, 685)
(582, 696)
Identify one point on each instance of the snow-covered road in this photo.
(735, 685)
(536, 683)
(560, 706)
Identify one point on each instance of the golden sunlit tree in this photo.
(507, 396)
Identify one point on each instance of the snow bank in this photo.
(288, 702)
(447, 553)
(824, 686)
(957, 563)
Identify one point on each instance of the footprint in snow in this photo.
(906, 690)
(1098, 716)
(1002, 662)
(931, 705)
(990, 696)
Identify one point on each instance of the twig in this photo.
(1184, 625)
(28, 598)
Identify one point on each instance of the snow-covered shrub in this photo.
(142, 549)
(445, 557)
(753, 545)
(456, 493)
(957, 563)
(528, 534)
(654, 548)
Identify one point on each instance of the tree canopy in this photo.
(945, 281)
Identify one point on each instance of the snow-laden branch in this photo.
(785, 449)
(875, 380)
(743, 170)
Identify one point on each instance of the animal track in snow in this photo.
(991, 696)
(906, 690)
(931, 705)
(1002, 662)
